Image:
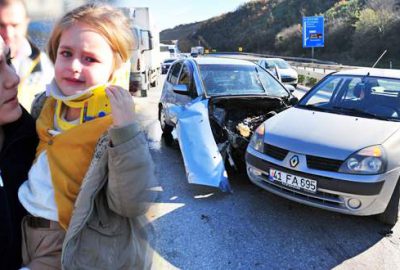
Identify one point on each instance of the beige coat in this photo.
(107, 226)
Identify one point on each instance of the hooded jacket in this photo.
(108, 229)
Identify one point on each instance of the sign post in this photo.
(313, 33)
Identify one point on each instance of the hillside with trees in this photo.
(356, 31)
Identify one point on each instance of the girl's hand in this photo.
(122, 106)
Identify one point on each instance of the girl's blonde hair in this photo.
(109, 22)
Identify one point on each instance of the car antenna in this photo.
(380, 57)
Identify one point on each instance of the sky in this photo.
(170, 13)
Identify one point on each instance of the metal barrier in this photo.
(304, 66)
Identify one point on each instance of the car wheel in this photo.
(392, 210)
(143, 93)
(166, 129)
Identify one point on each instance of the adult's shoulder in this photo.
(24, 125)
(37, 104)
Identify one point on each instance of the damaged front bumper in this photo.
(212, 131)
(204, 164)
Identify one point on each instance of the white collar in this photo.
(53, 90)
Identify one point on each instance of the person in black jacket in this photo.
(18, 141)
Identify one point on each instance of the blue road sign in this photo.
(313, 31)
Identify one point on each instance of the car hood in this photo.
(325, 134)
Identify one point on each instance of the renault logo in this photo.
(294, 161)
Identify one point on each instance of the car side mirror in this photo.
(181, 89)
(293, 100)
(290, 88)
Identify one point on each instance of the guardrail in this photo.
(318, 71)
(307, 67)
(287, 58)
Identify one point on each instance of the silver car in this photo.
(338, 148)
(211, 106)
(281, 69)
(166, 65)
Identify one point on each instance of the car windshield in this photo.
(363, 96)
(282, 64)
(224, 79)
(164, 49)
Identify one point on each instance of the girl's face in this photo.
(10, 110)
(84, 59)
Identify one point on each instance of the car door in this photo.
(179, 101)
(168, 98)
(204, 164)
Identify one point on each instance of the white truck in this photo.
(146, 60)
(168, 51)
(195, 51)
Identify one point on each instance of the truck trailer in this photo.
(146, 60)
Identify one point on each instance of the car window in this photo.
(364, 96)
(222, 79)
(324, 92)
(136, 33)
(269, 63)
(164, 49)
(282, 64)
(184, 78)
(187, 79)
(352, 89)
(173, 75)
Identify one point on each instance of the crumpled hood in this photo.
(325, 134)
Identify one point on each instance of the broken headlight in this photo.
(257, 140)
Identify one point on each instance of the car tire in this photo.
(166, 129)
(391, 213)
(143, 92)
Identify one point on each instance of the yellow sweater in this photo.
(69, 155)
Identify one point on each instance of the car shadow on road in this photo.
(202, 228)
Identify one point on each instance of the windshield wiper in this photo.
(358, 112)
(313, 108)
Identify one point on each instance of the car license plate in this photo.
(293, 181)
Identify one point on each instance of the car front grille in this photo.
(288, 79)
(313, 162)
(275, 152)
(324, 164)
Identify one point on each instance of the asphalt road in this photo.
(202, 228)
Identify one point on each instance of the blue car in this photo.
(212, 106)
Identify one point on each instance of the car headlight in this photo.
(257, 140)
(370, 160)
